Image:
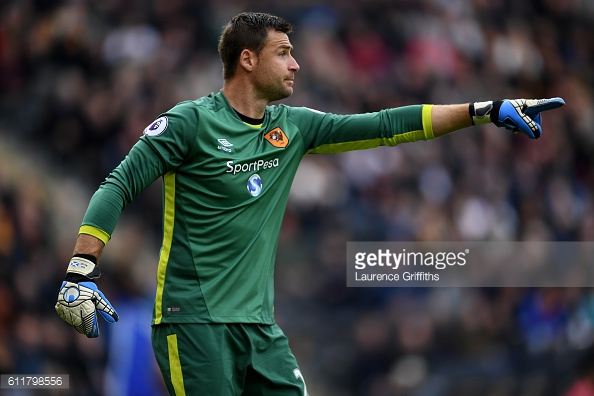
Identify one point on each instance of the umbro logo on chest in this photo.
(224, 145)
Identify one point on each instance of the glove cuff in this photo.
(83, 266)
(89, 257)
(480, 112)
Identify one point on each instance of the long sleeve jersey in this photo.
(226, 185)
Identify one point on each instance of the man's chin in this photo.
(283, 95)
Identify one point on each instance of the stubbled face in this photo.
(275, 69)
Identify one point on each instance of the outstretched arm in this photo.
(325, 133)
(518, 115)
(449, 118)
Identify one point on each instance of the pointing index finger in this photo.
(543, 105)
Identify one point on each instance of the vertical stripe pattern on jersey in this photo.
(168, 222)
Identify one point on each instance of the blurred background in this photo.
(80, 80)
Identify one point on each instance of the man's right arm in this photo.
(161, 150)
(79, 299)
(88, 244)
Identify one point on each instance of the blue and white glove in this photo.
(519, 115)
(79, 299)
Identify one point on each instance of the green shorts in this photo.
(226, 360)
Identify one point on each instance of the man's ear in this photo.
(247, 60)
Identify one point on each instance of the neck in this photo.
(244, 99)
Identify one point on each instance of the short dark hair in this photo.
(247, 30)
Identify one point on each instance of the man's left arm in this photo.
(333, 133)
(449, 118)
(519, 115)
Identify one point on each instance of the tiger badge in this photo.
(277, 138)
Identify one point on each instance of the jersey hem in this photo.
(215, 319)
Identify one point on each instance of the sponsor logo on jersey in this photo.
(225, 144)
(254, 166)
(277, 138)
(254, 185)
(157, 127)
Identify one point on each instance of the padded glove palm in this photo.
(79, 299)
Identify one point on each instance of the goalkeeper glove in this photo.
(519, 115)
(79, 298)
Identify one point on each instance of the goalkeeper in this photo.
(227, 162)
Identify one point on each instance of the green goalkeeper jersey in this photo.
(226, 186)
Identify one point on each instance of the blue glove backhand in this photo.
(79, 301)
(518, 115)
(523, 115)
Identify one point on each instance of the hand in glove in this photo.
(79, 299)
(519, 115)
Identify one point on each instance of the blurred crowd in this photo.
(80, 80)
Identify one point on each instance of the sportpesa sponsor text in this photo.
(254, 166)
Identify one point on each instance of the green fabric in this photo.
(219, 240)
(226, 359)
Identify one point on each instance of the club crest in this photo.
(277, 138)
